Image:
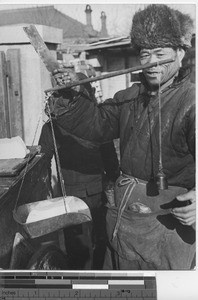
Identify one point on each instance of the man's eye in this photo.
(143, 56)
(160, 55)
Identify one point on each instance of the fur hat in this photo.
(160, 26)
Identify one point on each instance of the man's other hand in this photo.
(187, 214)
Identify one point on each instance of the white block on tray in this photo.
(54, 207)
(13, 148)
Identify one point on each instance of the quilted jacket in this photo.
(133, 116)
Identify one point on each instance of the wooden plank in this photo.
(44, 53)
(15, 93)
(4, 112)
(40, 47)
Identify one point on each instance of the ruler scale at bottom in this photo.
(80, 287)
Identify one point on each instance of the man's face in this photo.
(162, 73)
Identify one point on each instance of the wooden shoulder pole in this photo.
(111, 74)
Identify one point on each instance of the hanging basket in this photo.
(46, 216)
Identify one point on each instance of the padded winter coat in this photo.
(133, 116)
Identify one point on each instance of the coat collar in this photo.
(183, 75)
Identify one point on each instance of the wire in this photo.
(62, 183)
(160, 127)
(26, 165)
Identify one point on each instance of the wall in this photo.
(113, 60)
(112, 85)
(34, 76)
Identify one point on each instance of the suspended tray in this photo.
(46, 216)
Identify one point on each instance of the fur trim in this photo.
(160, 26)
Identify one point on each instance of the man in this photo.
(155, 121)
(84, 166)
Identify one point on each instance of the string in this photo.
(62, 183)
(27, 163)
(160, 125)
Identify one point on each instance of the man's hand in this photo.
(65, 75)
(187, 214)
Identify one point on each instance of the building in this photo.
(73, 30)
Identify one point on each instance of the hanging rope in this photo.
(57, 159)
(161, 177)
(160, 126)
(27, 163)
(62, 183)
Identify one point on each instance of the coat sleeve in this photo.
(190, 130)
(47, 145)
(110, 160)
(83, 118)
(188, 124)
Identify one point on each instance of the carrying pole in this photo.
(111, 74)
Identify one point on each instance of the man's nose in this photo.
(153, 58)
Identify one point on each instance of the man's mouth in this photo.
(152, 73)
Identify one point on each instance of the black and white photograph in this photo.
(97, 136)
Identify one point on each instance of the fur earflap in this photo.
(160, 26)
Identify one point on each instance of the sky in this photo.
(119, 13)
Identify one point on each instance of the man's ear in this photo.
(180, 54)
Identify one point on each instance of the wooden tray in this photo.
(13, 166)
